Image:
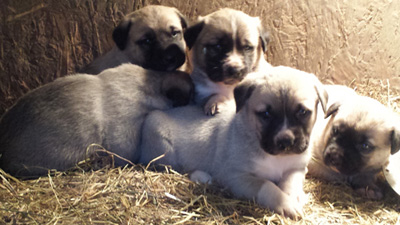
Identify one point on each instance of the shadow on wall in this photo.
(41, 40)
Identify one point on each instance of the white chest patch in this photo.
(274, 168)
(203, 90)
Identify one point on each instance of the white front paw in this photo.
(299, 196)
(275, 199)
(199, 176)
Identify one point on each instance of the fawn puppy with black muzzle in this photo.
(260, 152)
(354, 140)
(52, 126)
(151, 37)
(224, 46)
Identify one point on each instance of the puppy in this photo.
(258, 153)
(52, 126)
(224, 46)
(151, 37)
(354, 141)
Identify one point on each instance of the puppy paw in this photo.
(289, 208)
(366, 186)
(216, 104)
(300, 197)
(279, 202)
(199, 176)
(370, 193)
(210, 109)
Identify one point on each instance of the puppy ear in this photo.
(395, 141)
(243, 92)
(192, 32)
(332, 109)
(184, 22)
(178, 87)
(121, 33)
(264, 38)
(322, 95)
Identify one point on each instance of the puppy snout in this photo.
(285, 140)
(334, 159)
(234, 67)
(173, 56)
(234, 70)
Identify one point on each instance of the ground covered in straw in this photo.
(135, 195)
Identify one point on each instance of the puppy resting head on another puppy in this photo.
(282, 114)
(151, 37)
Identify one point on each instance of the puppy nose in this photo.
(334, 159)
(173, 55)
(234, 70)
(285, 140)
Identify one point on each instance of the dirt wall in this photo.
(41, 40)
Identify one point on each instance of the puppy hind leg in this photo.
(156, 144)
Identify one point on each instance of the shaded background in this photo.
(340, 41)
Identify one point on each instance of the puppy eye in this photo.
(248, 48)
(175, 33)
(303, 112)
(216, 47)
(213, 49)
(145, 41)
(366, 147)
(264, 115)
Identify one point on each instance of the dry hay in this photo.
(136, 195)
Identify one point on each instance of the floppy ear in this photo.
(192, 32)
(332, 109)
(395, 140)
(183, 19)
(264, 38)
(243, 92)
(322, 94)
(121, 33)
(178, 87)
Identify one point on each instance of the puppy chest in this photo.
(274, 167)
(203, 90)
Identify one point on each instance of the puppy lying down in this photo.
(354, 142)
(260, 152)
(52, 126)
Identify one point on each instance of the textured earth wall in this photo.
(41, 40)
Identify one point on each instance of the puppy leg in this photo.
(156, 144)
(265, 192)
(273, 197)
(366, 185)
(200, 177)
(215, 104)
(177, 86)
(292, 184)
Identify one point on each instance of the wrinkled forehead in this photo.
(284, 93)
(236, 24)
(360, 111)
(360, 119)
(156, 18)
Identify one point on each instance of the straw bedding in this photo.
(138, 195)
